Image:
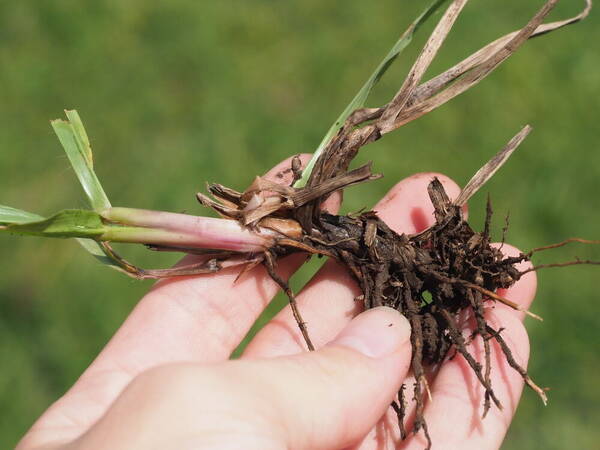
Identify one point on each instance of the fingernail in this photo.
(376, 333)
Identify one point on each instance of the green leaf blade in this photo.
(84, 225)
(361, 97)
(81, 135)
(17, 221)
(10, 215)
(75, 142)
(69, 223)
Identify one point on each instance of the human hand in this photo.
(164, 380)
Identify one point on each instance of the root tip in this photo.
(541, 392)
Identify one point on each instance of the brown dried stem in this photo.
(435, 41)
(483, 175)
(442, 80)
(494, 57)
(413, 101)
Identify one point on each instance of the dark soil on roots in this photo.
(431, 278)
(435, 278)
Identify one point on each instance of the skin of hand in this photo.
(165, 381)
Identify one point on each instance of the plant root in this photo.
(270, 265)
(431, 277)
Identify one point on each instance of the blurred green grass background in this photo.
(174, 93)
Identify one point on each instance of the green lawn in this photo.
(174, 93)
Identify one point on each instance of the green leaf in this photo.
(359, 99)
(70, 223)
(10, 215)
(64, 224)
(75, 141)
(83, 141)
(81, 224)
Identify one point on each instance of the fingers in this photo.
(311, 400)
(456, 391)
(406, 208)
(197, 318)
(328, 303)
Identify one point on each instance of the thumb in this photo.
(331, 398)
(325, 399)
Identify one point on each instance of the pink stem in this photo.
(173, 229)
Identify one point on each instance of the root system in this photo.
(433, 277)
